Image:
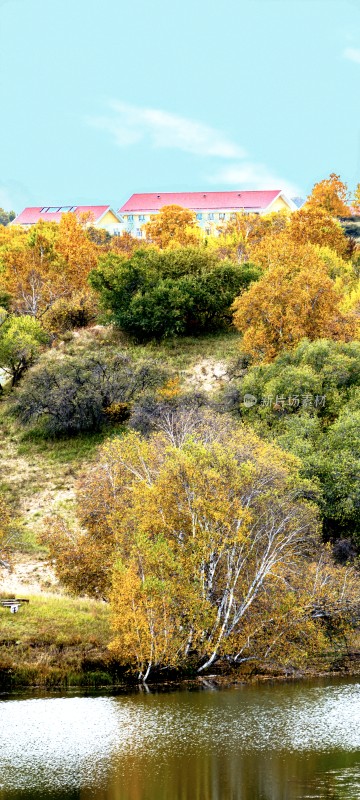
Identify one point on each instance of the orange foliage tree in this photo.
(48, 262)
(315, 225)
(295, 298)
(173, 226)
(332, 195)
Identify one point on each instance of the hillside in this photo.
(56, 635)
(59, 638)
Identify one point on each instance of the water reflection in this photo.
(253, 743)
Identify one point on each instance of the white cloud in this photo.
(352, 54)
(253, 175)
(130, 124)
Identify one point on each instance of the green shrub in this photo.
(67, 313)
(154, 295)
(75, 394)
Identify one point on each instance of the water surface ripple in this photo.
(280, 742)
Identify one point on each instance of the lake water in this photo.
(268, 742)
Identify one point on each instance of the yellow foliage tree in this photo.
(173, 226)
(331, 195)
(196, 543)
(204, 548)
(33, 273)
(351, 305)
(314, 224)
(47, 263)
(79, 254)
(295, 298)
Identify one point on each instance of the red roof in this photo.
(32, 215)
(200, 200)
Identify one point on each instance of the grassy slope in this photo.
(58, 639)
(55, 640)
(38, 475)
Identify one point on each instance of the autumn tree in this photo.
(239, 236)
(78, 310)
(314, 224)
(79, 253)
(173, 226)
(199, 534)
(46, 263)
(32, 271)
(295, 298)
(126, 244)
(332, 195)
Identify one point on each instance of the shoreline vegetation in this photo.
(180, 471)
(61, 642)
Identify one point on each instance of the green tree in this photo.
(154, 294)
(21, 341)
(6, 216)
(308, 402)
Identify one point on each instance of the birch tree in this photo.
(202, 531)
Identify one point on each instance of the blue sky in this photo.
(100, 100)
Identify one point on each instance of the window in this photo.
(141, 217)
(131, 218)
(233, 215)
(210, 216)
(138, 232)
(198, 216)
(221, 215)
(207, 231)
(65, 209)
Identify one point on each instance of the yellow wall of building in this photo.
(279, 205)
(109, 219)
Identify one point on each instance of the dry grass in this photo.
(55, 641)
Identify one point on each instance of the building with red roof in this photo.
(212, 209)
(98, 216)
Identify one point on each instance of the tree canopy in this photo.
(332, 195)
(173, 226)
(160, 294)
(294, 298)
